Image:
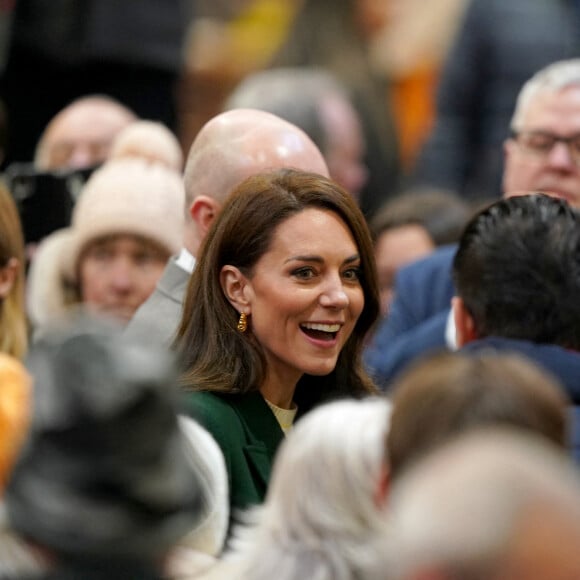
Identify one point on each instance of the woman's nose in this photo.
(334, 294)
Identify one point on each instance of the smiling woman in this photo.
(275, 317)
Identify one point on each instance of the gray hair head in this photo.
(105, 470)
(556, 76)
(320, 511)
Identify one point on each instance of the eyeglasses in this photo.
(541, 143)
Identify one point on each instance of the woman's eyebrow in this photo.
(319, 259)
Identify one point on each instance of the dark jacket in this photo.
(499, 46)
(157, 319)
(144, 32)
(417, 318)
(563, 364)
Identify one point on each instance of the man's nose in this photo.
(561, 157)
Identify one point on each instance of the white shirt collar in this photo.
(450, 332)
(186, 261)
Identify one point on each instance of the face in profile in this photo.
(304, 294)
(118, 273)
(534, 160)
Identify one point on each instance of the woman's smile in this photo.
(304, 294)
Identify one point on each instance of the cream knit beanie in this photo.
(129, 196)
(148, 140)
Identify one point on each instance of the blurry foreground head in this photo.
(104, 473)
(322, 503)
(493, 505)
(447, 395)
(80, 135)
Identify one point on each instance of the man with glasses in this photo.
(543, 154)
(544, 150)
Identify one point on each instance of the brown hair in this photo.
(442, 213)
(13, 325)
(448, 394)
(219, 358)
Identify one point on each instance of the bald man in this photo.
(228, 148)
(81, 134)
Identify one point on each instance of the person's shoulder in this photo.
(205, 402)
(213, 411)
(434, 268)
(442, 256)
(157, 320)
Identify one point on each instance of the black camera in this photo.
(45, 200)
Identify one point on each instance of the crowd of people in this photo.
(271, 353)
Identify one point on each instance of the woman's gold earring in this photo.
(243, 322)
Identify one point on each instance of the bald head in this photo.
(81, 134)
(240, 143)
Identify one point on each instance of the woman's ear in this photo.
(237, 288)
(7, 277)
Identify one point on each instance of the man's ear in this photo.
(237, 288)
(203, 211)
(7, 277)
(464, 325)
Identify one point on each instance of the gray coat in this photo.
(158, 318)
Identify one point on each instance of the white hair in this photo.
(456, 511)
(320, 511)
(556, 76)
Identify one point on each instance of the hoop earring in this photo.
(243, 322)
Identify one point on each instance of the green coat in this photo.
(248, 434)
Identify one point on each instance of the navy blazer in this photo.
(563, 364)
(417, 319)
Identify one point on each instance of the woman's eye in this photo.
(352, 274)
(304, 273)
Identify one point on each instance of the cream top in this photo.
(285, 417)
